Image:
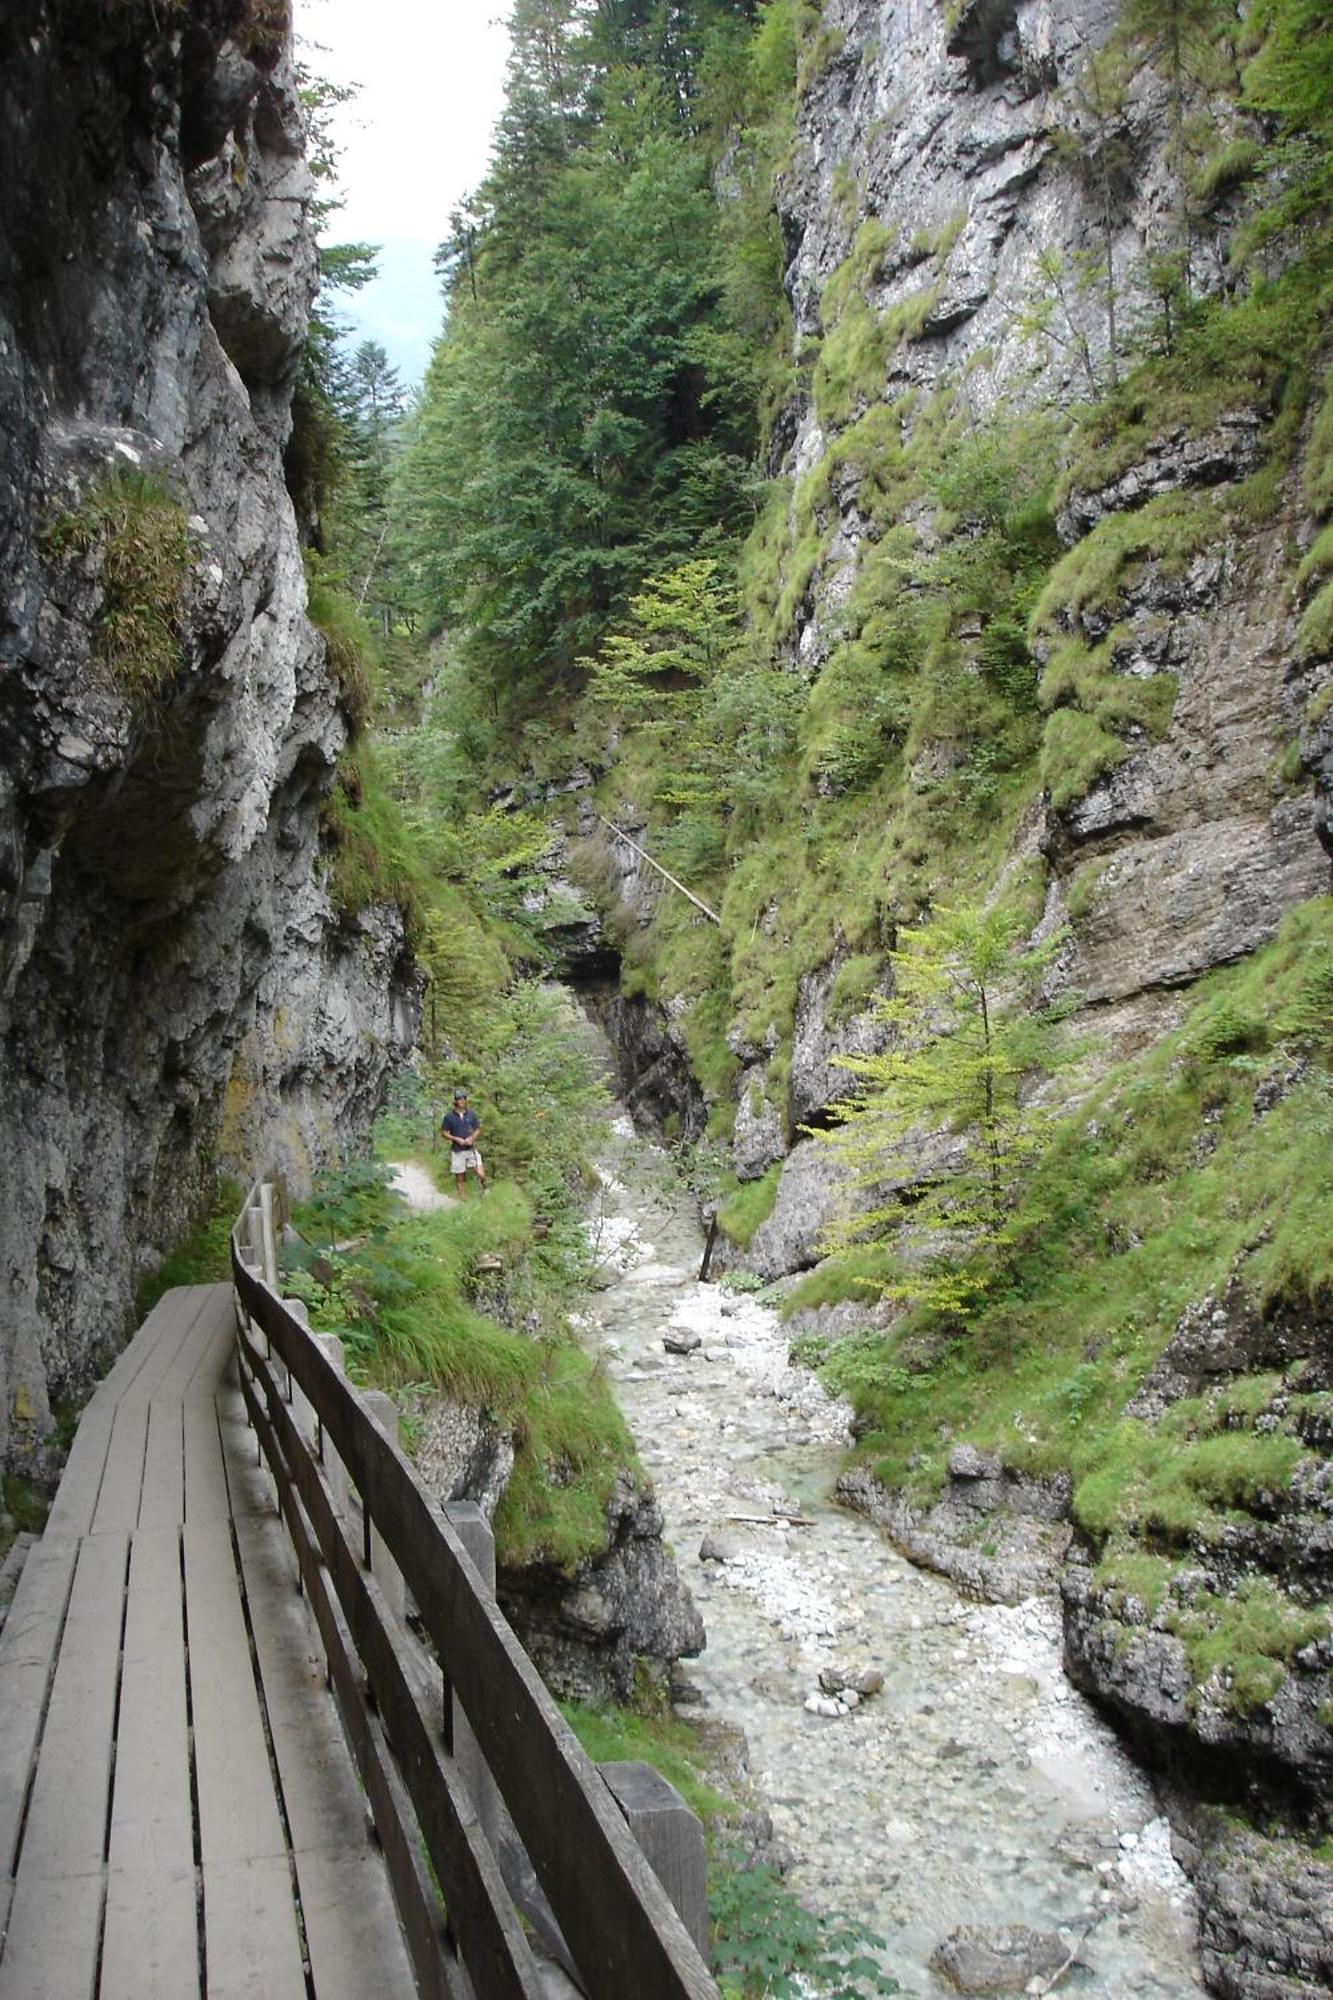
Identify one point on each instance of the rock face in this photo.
(939, 175)
(613, 1631)
(177, 991)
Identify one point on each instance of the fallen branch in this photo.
(771, 1520)
(1070, 1962)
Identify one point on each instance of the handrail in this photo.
(644, 855)
(621, 1931)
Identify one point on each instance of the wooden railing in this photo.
(475, 1781)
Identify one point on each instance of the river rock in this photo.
(682, 1340)
(1001, 1960)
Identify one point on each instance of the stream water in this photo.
(976, 1787)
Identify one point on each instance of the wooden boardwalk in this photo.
(178, 1812)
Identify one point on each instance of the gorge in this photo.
(879, 456)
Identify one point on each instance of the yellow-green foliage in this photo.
(134, 537)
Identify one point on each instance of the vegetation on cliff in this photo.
(888, 683)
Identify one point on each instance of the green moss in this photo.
(1167, 530)
(1317, 563)
(1314, 640)
(351, 645)
(133, 537)
(25, 1505)
(853, 987)
(409, 1304)
(1317, 479)
(1077, 751)
(1245, 1639)
(740, 1215)
(853, 1275)
(1226, 169)
(855, 353)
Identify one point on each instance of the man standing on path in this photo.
(463, 1128)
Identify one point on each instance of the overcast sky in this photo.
(413, 142)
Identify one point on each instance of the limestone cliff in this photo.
(179, 994)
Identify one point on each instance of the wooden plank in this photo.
(253, 1952)
(209, 1355)
(671, 1836)
(151, 1949)
(249, 1912)
(151, 1944)
(28, 1649)
(65, 1833)
(117, 1507)
(238, 1808)
(206, 1495)
(81, 1481)
(162, 1495)
(326, 1809)
(617, 1918)
(489, 1937)
(51, 1946)
(249, 1487)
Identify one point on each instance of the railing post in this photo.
(376, 1555)
(268, 1234)
(335, 1472)
(469, 1523)
(671, 1836)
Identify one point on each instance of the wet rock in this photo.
(1002, 1960)
(966, 1462)
(719, 1547)
(1172, 462)
(681, 1340)
(1271, 1752)
(816, 1078)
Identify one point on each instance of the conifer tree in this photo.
(968, 1045)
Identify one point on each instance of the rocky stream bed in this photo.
(969, 1794)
